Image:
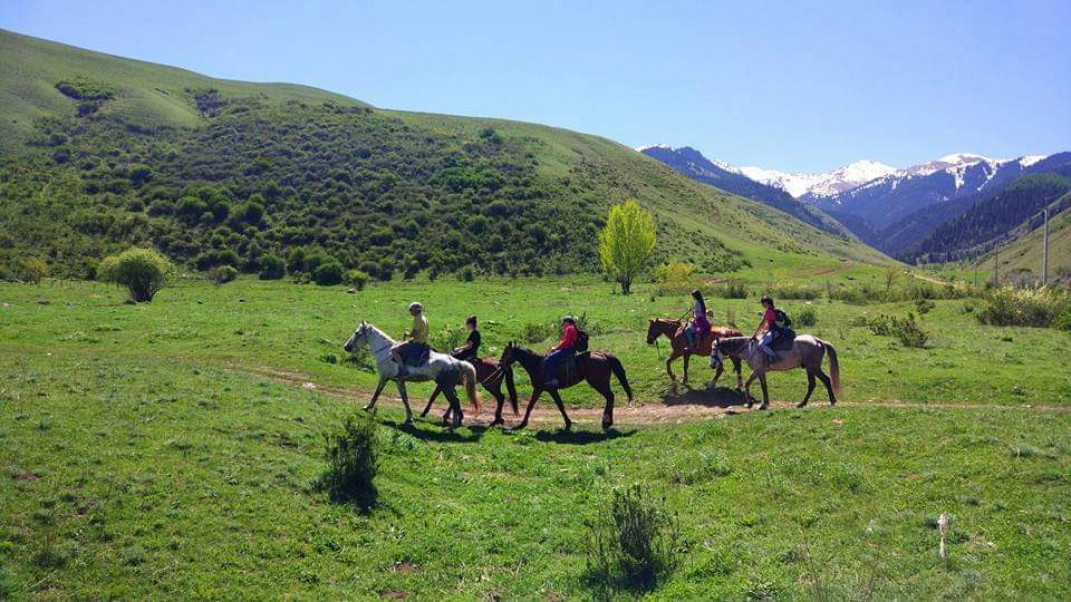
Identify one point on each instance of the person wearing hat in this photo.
(561, 350)
(416, 340)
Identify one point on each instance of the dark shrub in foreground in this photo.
(351, 461)
(634, 545)
(142, 271)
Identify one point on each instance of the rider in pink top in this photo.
(769, 329)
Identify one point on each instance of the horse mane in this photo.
(733, 343)
(380, 332)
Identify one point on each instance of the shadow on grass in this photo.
(720, 397)
(581, 437)
(439, 434)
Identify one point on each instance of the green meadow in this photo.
(155, 451)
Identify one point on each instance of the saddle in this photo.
(783, 341)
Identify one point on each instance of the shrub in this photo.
(36, 269)
(535, 332)
(272, 267)
(467, 274)
(222, 274)
(805, 317)
(907, 330)
(634, 546)
(448, 338)
(328, 274)
(7, 583)
(1009, 307)
(730, 290)
(142, 271)
(923, 306)
(795, 292)
(358, 279)
(674, 278)
(350, 450)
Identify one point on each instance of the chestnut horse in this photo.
(594, 367)
(674, 331)
(491, 376)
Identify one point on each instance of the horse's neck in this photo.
(380, 338)
(740, 345)
(531, 361)
(669, 327)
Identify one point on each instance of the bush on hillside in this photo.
(805, 317)
(730, 290)
(143, 272)
(222, 274)
(352, 463)
(272, 267)
(1010, 307)
(633, 546)
(907, 330)
(358, 279)
(794, 292)
(328, 274)
(35, 269)
(675, 278)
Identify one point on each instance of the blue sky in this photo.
(803, 86)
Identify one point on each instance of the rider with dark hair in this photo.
(471, 349)
(700, 326)
(565, 346)
(769, 329)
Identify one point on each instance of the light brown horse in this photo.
(674, 331)
(806, 352)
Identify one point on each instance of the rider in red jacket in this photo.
(561, 350)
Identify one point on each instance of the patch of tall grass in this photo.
(350, 450)
(1025, 307)
(633, 546)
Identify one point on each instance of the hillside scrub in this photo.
(1041, 307)
(633, 545)
(352, 463)
(143, 272)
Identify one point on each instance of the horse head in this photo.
(509, 355)
(717, 354)
(652, 331)
(359, 336)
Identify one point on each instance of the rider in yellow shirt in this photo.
(416, 339)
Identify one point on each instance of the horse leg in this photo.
(431, 400)
(765, 393)
(739, 374)
(528, 411)
(717, 374)
(829, 386)
(687, 358)
(405, 401)
(608, 411)
(810, 389)
(561, 408)
(455, 406)
(669, 366)
(747, 390)
(501, 400)
(375, 396)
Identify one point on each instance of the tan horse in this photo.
(806, 352)
(674, 331)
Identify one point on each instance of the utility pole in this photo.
(1045, 253)
(996, 266)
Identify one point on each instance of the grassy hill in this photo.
(102, 152)
(1023, 253)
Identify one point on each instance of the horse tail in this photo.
(834, 365)
(469, 376)
(512, 389)
(619, 371)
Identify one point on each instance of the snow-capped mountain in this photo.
(693, 164)
(825, 184)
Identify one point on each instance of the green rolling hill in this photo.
(1022, 253)
(100, 152)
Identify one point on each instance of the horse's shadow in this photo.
(719, 397)
(439, 434)
(581, 437)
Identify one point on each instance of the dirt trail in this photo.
(690, 406)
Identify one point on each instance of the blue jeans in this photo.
(554, 360)
(764, 344)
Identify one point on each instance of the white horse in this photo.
(444, 369)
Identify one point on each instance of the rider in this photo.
(561, 350)
(700, 324)
(769, 329)
(416, 339)
(471, 349)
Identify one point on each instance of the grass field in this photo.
(145, 455)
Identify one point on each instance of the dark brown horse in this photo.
(805, 352)
(491, 376)
(674, 331)
(594, 367)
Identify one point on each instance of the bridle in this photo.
(363, 334)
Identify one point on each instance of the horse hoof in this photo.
(367, 408)
(568, 427)
(801, 404)
(497, 422)
(764, 406)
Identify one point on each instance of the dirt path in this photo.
(690, 406)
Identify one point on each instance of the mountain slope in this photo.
(987, 223)
(105, 152)
(1022, 253)
(692, 163)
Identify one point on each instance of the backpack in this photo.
(783, 320)
(581, 341)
